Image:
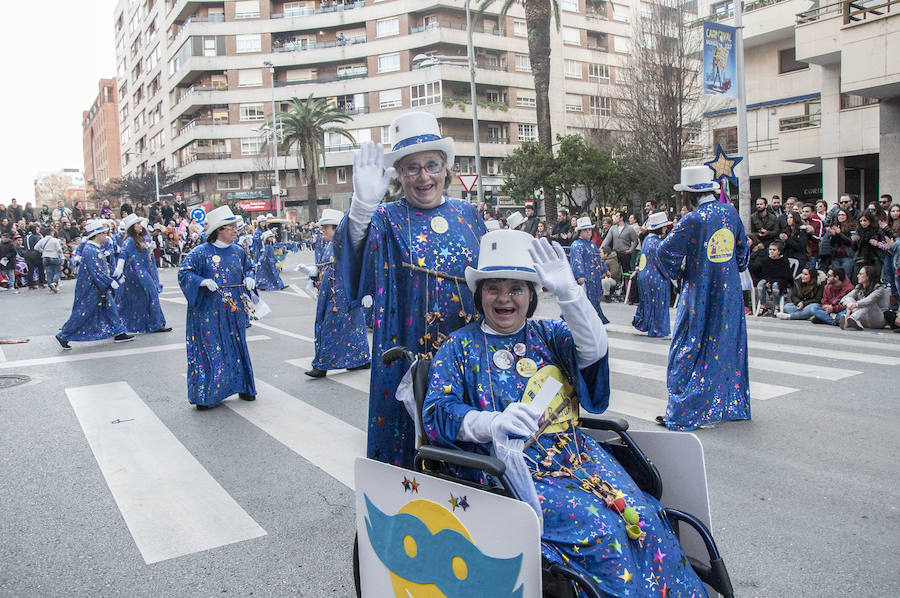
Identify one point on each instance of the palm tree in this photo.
(537, 19)
(303, 127)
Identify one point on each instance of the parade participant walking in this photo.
(138, 298)
(708, 362)
(588, 264)
(213, 277)
(94, 313)
(409, 255)
(256, 245)
(341, 340)
(652, 315)
(483, 382)
(267, 276)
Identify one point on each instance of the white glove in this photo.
(553, 269)
(370, 183)
(120, 266)
(210, 284)
(249, 283)
(517, 419)
(114, 285)
(366, 301)
(300, 268)
(77, 259)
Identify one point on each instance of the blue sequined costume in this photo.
(402, 297)
(267, 276)
(256, 245)
(218, 358)
(708, 377)
(579, 528)
(94, 313)
(652, 315)
(138, 298)
(587, 263)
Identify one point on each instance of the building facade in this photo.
(100, 137)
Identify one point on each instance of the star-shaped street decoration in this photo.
(723, 165)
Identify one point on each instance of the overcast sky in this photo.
(52, 55)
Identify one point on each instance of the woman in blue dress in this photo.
(588, 264)
(213, 277)
(484, 380)
(267, 276)
(654, 289)
(138, 298)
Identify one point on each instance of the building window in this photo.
(527, 132)
(248, 43)
(525, 100)
(598, 73)
(523, 63)
(574, 103)
(727, 138)
(390, 98)
(341, 175)
(293, 75)
(520, 28)
(601, 106)
(250, 78)
(251, 112)
(621, 13)
(251, 146)
(425, 94)
(387, 27)
(623, 76)
(226, 182)
(296, 9)
(788, 63)
(290, 179)
(569, 5)
(571, 36)
(246, 9)
(621, 45)
(722, 10)
(388, 63)
(323, 177)
(575, 131)
(573, 69)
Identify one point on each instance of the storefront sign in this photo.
(255, 205)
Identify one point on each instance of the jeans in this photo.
(829, 318)
(761, 292)
(847, 264)
(52, 268)
(801, 314)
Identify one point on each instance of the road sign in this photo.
(468, 181)
(198, 214)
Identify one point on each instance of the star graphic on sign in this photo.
(414, 486)
(464, 503)
(405, 484)
(723, 165)
(454, 502)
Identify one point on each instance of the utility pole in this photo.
(743, 167)
(471, 52)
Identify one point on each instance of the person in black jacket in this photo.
(795, 238)
(531, 221)
(562, 230)
(868, 242)
(8, 255)
(775, 278)
(33, 258)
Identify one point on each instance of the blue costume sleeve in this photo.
(189, 277)
(445, 404)
(357, 268)
(247, 265)
(741, 246)
(673, 248)
(97, 268)
(576, 258)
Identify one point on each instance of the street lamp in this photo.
(276, 190)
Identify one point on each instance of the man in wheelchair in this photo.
(512, 387)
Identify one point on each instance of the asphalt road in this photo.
(804, 497)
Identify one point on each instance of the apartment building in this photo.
(194, 87)
(100, 136)
(820, 120)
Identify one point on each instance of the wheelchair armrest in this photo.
(613, 424)
(395, 353)
(489, 465)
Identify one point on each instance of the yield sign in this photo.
(468, 181)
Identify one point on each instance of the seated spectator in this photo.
(758, 252)
(795, 238)
(837, 285)
(805, 295)
(775, 279)
(842, 253)
(866, 303)
(868, 242)
(615, 270)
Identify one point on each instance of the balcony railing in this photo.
(850, 100)
(458, 27)
(349, 74)
(302, 12)
(192, 89)
(200, 122)
(489, 139)
(346, 147)
(312, 44)
(804, 121)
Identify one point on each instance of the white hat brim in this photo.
(473, 275)
(580, 228)
(659, 226)
(327, 222)
(714, 189)
(444, 145)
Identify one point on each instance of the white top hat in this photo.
(268, 234)
(269, 216)
(129, 221)
(492, 224)
(697, 179)
(415, 132)
(583, 223)
(94, 227)
(657, 220)
(218, 218)
(330, 216)
(240, 221)
(261, 218)
(515, 220)
(503, 254)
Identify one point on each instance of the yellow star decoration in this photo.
(723, 166)
(626, 577)
(448, 388)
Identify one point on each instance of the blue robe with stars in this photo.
(267, 276)
(587, 263)
(218, 359)
(400, 232)
(138, 297)
(708, 377)
(94, 313)
(341, 340)
(256, 244)
(652, 315)
(579, 528)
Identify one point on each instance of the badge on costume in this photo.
(642, 263)
(720, 247)
(503, 359)
(439, 225)
(216, 259)
(526, 367)
(519, 349)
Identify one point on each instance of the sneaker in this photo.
(123, 338)
(842, 322)
(852, 324)
(783, 316)
(64, 344)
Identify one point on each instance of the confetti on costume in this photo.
(267, 276)
(94, 313)
(652, 315)
(587, 263)
(138, 298)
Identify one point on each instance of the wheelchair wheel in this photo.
(356, 582)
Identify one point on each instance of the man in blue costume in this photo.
(484, 383)
(410, 256)
(138, 298)
(213, 277)
(708, 378)
(588, 264)
(341, 340)
(652, 315)
(94, 314)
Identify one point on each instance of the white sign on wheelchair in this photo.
(423, 537)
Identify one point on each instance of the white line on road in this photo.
(869, 358)
(171, 504)
(358, 379)
(178, 300)
(66, 358)
(327, 442)
(635, 405)
(257, 323)
(2, 355)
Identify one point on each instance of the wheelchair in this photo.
(559, 580)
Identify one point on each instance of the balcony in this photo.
(302, 12)
(201, 122)
(458, 27)
(355, 73)
(804, 121)
(301, 46)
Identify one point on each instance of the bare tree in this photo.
(51, 188)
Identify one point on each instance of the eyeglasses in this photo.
(413, 169)
(495, 291)
(846, 201)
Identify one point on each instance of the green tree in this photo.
(529, 168)
(302, 127)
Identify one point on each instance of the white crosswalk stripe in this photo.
(358, 379)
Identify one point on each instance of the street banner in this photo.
(719, 62)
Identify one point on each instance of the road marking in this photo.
(171, 504)
(2, 355)
(178, 300)
(868, 358)
(327, 442)
(358, 379)
(839, 340)
(760, 391)
(66, 358)
(635, 405)
(284, 332)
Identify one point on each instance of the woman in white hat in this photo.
(256, 246)
(94, 313)
(138, 298)
(409, 255)
(213, 277)
(654, 289)
(484, 382)
(588, 264)
(267, 276)
(340, 334)
(708, 363)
